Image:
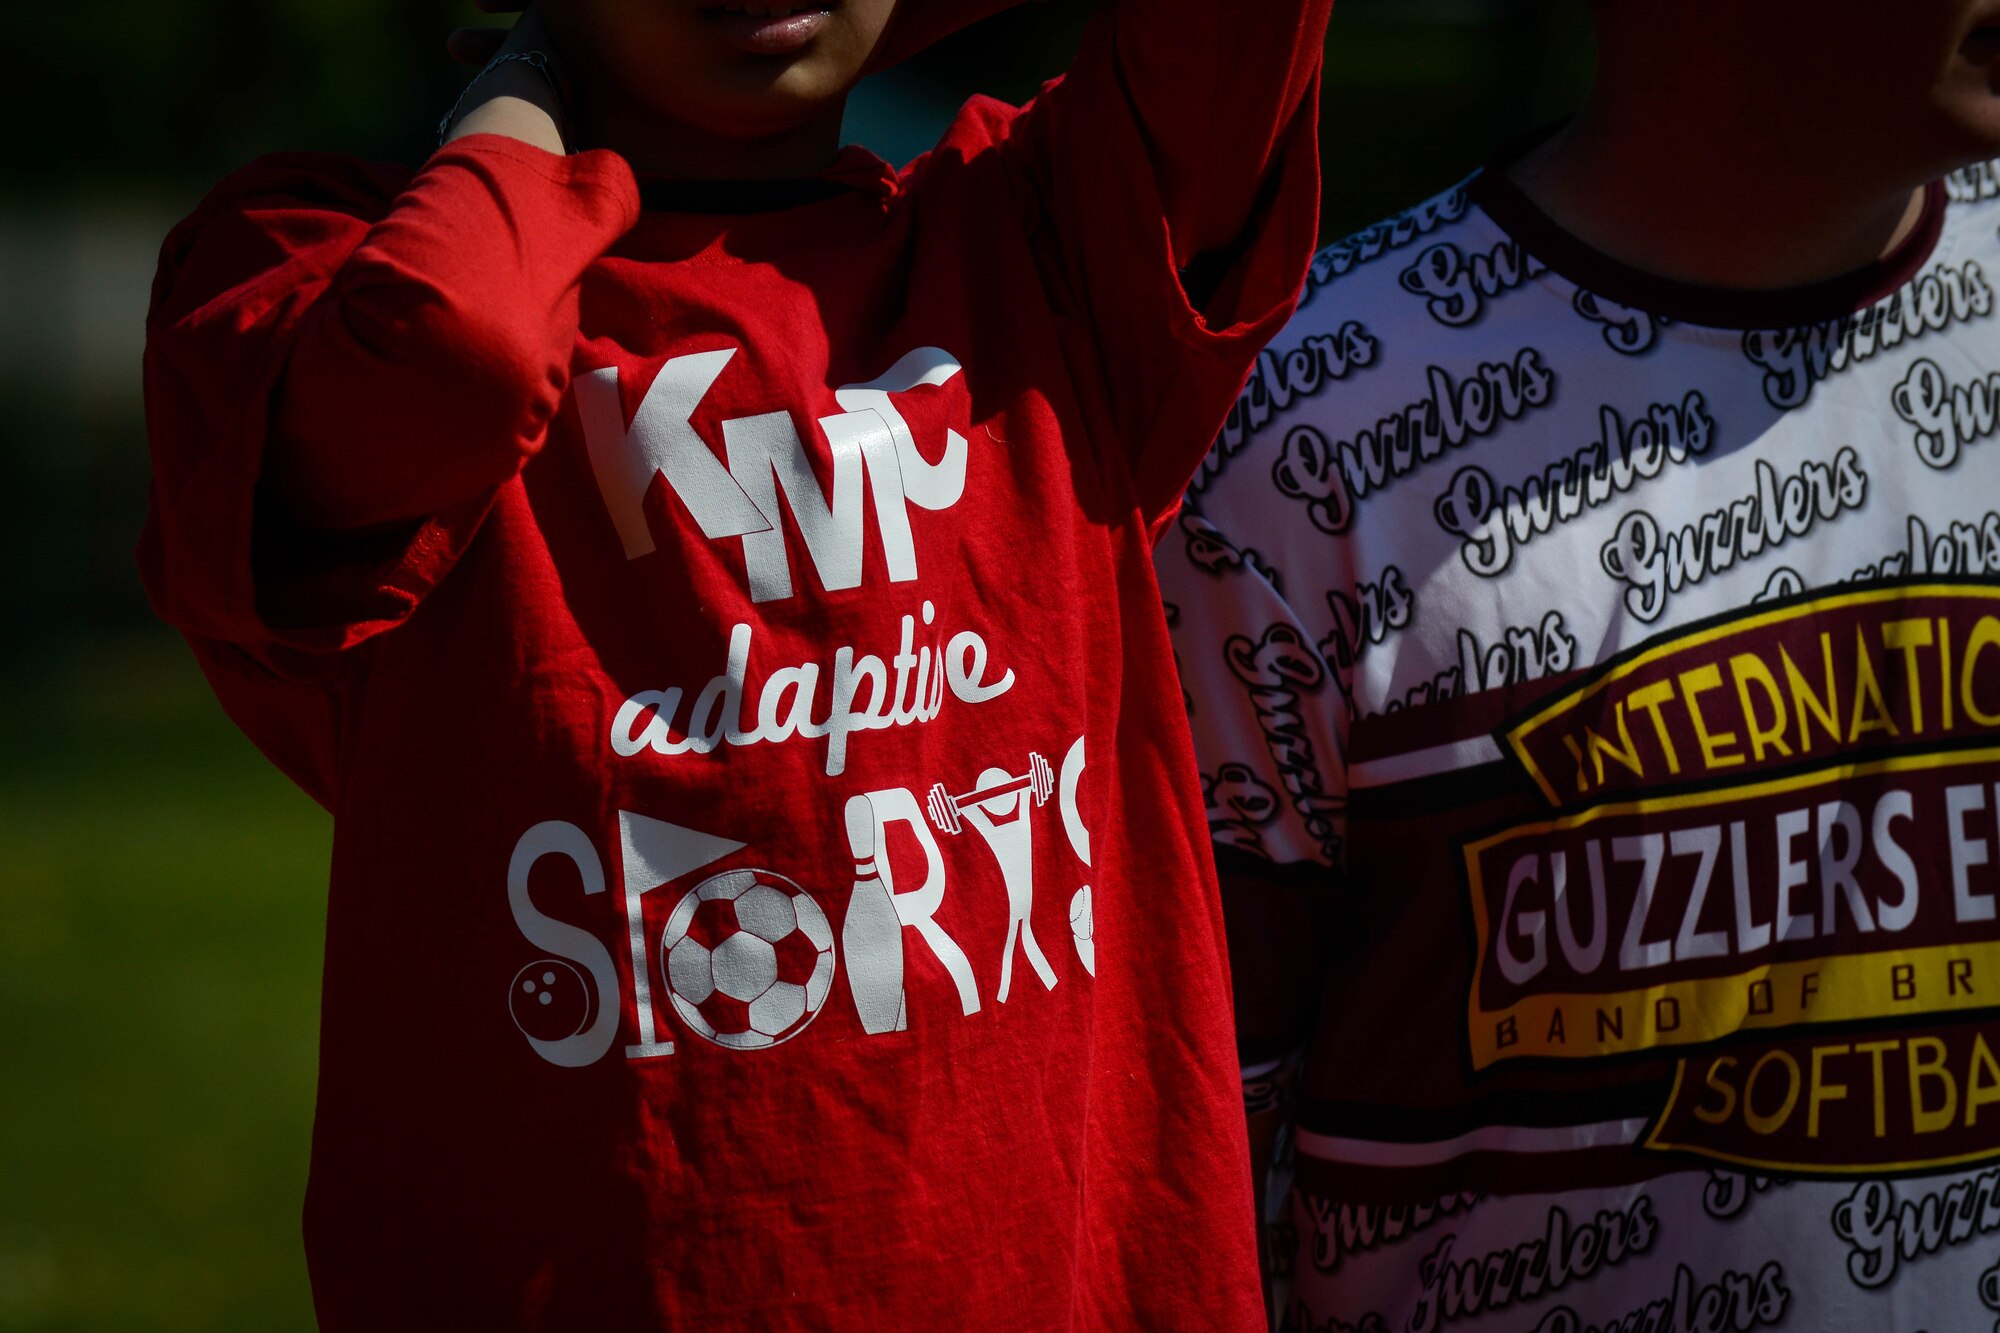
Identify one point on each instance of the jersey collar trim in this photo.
(1693, 303)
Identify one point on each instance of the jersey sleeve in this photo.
(1264, 703)
(1270, 738)
(1176, 165)
(413, 335)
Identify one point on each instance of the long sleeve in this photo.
(413, 336)
(1215, 89)
(384, 349)
(431, 367)
(1179, 156)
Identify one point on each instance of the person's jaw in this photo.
(709, 87)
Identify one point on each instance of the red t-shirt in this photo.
(770, 887)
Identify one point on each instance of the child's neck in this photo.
(1689, 184)
(668, 148)
(1713, 161)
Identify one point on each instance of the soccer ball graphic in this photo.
(748, 958)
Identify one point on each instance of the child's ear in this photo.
(918, 23)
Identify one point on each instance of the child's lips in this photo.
(767, 27)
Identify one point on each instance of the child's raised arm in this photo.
(429, 368)
(440, 349)
(339, 347)
(431, 365)
(1216, 88)
(1178, 166)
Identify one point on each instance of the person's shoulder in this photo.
(1340, 272)
(1358, 291)
(1358, 349)
(981, 125)
(968, 161)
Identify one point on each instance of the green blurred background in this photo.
(161, 888)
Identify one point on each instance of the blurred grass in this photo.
(163, 896)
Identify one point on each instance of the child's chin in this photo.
(742, 103)
(768, 97)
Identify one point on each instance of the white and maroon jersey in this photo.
(1629, 654)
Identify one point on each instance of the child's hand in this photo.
(520, 92)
